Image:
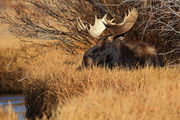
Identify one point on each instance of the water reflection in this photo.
(17, 102)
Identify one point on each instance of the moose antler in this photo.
(95, 30)
(101, 24)
(125, 26)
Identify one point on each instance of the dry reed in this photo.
(10, 70)
(54, 85)
(54, 80)
(158, 102)
(8, 114)
(13, 60)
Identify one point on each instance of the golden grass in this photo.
(159, 102)
(53, 80)
(10, 70)
(8, 114)
(13, 56)
(54, 85)
(7, 40)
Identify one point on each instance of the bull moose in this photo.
(113, 50)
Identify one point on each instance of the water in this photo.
(17, 103)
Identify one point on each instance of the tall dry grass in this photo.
(53, 80)
(13, 58)
(10, 70)
(53, 85)
(8, 114)
(158, 102)
(15, 53)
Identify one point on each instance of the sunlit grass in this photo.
(147, 93)
(8, 114)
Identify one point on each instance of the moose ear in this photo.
(100, 43)
(110, 39)
(107, 39)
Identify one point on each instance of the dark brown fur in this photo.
(112, 52)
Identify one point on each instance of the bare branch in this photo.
(158, 21)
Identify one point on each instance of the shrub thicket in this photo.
(158, 22)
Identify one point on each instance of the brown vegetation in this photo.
(8, 114)
(51, 80)
(13, 58)
(54, 80)
(10, 70)
(49, 76)
(158, 102)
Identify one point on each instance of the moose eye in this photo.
(90, 55)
